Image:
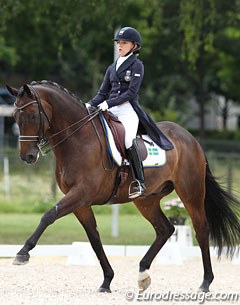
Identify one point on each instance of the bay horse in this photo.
(46, 110)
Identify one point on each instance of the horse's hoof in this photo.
(202, 289)
(106, 290)
(144, 280)
(204, 286)
(21, 259)
(143, 284)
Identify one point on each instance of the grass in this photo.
(32, 189)
(32, 192)
(133, 229)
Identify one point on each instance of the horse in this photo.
(47, 112)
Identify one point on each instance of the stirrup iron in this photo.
(135, 189)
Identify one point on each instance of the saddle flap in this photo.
(142, 148)
(118, 132)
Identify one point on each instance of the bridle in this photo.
(41, 139)
(26, 138)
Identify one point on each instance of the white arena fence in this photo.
(176, 251)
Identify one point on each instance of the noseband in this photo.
(41, 139)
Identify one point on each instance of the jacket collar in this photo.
(121, 60)
(127, 63)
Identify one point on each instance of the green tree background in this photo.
(190, 48)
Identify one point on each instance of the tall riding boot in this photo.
(137, 187)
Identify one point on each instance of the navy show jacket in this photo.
(123, 85)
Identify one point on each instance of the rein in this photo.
(88, 118)
(42, 140)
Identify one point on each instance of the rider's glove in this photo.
(103, 106)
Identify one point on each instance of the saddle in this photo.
(118, 132)
(146, 149)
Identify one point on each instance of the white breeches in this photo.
(129, 119)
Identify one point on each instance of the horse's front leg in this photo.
(62, 208)
(87, 219)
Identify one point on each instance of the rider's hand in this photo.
(90, 108)
(103, 106)
(88, 105)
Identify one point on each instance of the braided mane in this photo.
(53, 84)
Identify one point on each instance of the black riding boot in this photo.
(137, 187)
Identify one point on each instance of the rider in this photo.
(119, 93)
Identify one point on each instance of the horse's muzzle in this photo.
(30, 157)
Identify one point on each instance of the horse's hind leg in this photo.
(150, 209)
(194, 203)
(87, 219)
(202, 235)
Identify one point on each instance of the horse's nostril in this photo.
(30, 158)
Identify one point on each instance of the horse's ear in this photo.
(27, 90)
(12, 90)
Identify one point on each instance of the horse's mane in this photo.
(56, 85)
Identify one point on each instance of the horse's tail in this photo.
(223, 216)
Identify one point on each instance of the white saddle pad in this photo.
(156, 155)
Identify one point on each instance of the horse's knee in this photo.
(49, 217)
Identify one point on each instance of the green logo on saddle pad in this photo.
(153, 151)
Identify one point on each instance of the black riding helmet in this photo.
(129, 34)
